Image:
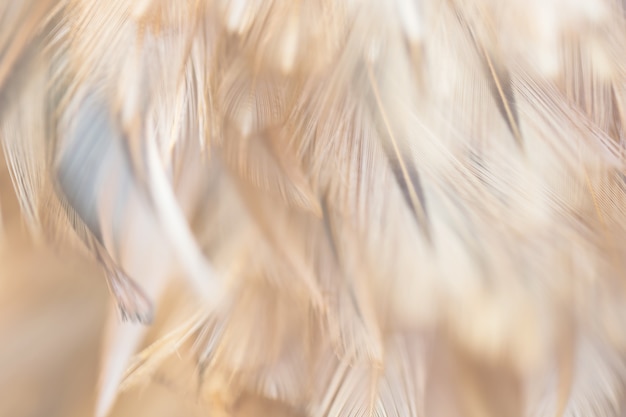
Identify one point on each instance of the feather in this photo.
(352, 207)
(499, 78)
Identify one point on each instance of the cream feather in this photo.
(366, 207)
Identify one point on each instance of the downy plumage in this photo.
(369, 207)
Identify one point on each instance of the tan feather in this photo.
(353, 207)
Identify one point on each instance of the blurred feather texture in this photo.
(313, 208)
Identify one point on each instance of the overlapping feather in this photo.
(383, 208)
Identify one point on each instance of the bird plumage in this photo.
(404, 208)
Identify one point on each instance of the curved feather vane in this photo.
(330, 208)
